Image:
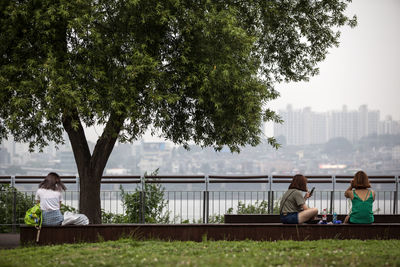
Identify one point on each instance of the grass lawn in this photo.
(127, 252)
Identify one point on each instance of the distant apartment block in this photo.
(389, 126)
(153, 155)
(304, 126)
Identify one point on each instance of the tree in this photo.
(191, 70)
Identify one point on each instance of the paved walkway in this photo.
(9, 241)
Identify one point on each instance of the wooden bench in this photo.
(275, 218)
(199, 232)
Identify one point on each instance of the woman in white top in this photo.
(49, 195)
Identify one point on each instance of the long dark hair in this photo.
(299, 182)
(52, 182)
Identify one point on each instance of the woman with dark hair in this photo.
(293, 209)
(362, 198)
(49, 196)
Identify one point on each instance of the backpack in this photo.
(33, 216)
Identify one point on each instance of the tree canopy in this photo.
(194, 70)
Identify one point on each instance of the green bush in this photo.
(154, 205)
(215, 218)
(109, 217)
(23, 203)
(257, 208)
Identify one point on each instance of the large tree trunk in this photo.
(91, 166)
(89, 195)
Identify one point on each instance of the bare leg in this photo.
(307, 214)
(346, 220)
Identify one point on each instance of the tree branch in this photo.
(106, 142)
(77, 139)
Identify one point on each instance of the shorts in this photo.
(52, 217)
(290, 218)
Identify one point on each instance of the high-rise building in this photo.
(303, 127)
(319, 133)
(373, 122)
(389, 126)
(343, 123)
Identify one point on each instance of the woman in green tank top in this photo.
(362, 198)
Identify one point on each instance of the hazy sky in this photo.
(364, 69)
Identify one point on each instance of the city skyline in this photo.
(268, 127)
(305, 126)
(306, 153)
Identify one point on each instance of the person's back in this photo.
(49, 197)
(361, 211)
(362, 198)
(293, 209)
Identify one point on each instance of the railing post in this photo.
(14, 224)
(206, 201)
(14, 205)
(270, 204)
(332, 206)
(396, 196)
(78, 189)
(204, 206)
(208, 206)
(142, 200)
(144, 207)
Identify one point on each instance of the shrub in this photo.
(257, 208)
(154, 205)
(215, 218)
(108, 217)
(23, 203)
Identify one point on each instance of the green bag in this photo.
(33, 216)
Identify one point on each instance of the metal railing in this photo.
(207, 203)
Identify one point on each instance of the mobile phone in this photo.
(312, 191)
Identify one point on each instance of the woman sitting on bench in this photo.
(49, 196)
(362, 198)
(293, 209)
